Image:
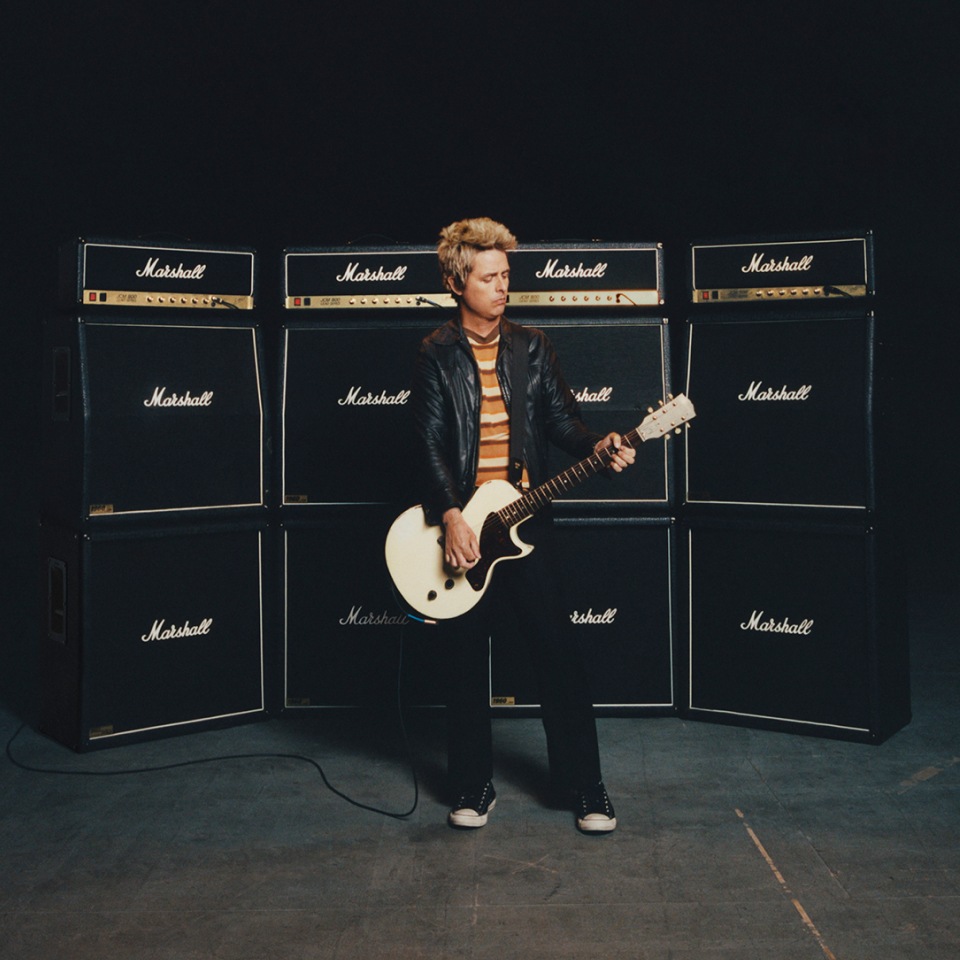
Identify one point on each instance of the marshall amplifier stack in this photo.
(154, 494)
(742, 573)
(795, 619)
(355, 317)
(601, 306)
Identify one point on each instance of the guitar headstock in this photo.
(669, 417)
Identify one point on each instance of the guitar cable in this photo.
(407, 612)
(251, 756)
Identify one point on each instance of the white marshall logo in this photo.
(590, 617)
(551, 270)
(353, 273)
(167, 272)
(759, 265)
(161, 399)
(356, 399)
(754, 392)
(355, 618)
(586, 395)
(161, 632)
(757, 623)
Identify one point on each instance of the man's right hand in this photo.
(460, 547)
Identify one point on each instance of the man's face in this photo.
(484, 294)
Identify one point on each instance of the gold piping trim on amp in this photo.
(533, 298)
(792, 292)
(367, 301)
(585, 298)
(182, 301)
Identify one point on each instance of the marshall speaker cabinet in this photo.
(795, 627)
(347, 640)
(151, 417)
(346, 388)
(616, 369)
(616, 580)
(148, 633)
(784, 410)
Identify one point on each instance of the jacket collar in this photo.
(452, 332)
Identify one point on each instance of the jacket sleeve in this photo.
(436, 480)
(562, 421)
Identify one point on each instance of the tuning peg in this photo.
(660, 402)
(669, 396)
(649, 409)
(678, 431)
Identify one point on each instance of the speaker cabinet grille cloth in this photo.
(150, 632)
(784, 412)
(617, 588)
(164, 418)
(343, 625)
(792, 626)
(347, 387)
(616, 370)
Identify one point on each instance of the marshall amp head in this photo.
(541, 275)
(138, 274)
(587, 275)
(782, 270)
(362, 278)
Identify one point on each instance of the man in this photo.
(462, 401)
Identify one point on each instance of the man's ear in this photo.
(453, 287)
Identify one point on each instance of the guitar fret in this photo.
(540, 496)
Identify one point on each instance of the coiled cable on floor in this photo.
(251, 756)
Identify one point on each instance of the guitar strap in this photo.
(518, 394)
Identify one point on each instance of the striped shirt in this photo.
(494, 462)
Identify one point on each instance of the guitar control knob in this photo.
(432, 595)
(448, 585)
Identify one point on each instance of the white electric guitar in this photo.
(414, 548)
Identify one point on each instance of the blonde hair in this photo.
(461, 241)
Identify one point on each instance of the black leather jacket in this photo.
(446, 411)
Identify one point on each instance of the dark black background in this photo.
(276, 123)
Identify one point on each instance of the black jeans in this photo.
(522, 605)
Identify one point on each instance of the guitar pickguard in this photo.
(495, 544)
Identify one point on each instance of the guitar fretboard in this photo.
(537, 498)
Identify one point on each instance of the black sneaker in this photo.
(594, 810)
(473, 807)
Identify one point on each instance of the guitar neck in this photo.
(537, 498)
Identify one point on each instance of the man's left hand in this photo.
(622, 457)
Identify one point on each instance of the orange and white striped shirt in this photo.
(494, 461)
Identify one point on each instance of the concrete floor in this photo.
(733, 843)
